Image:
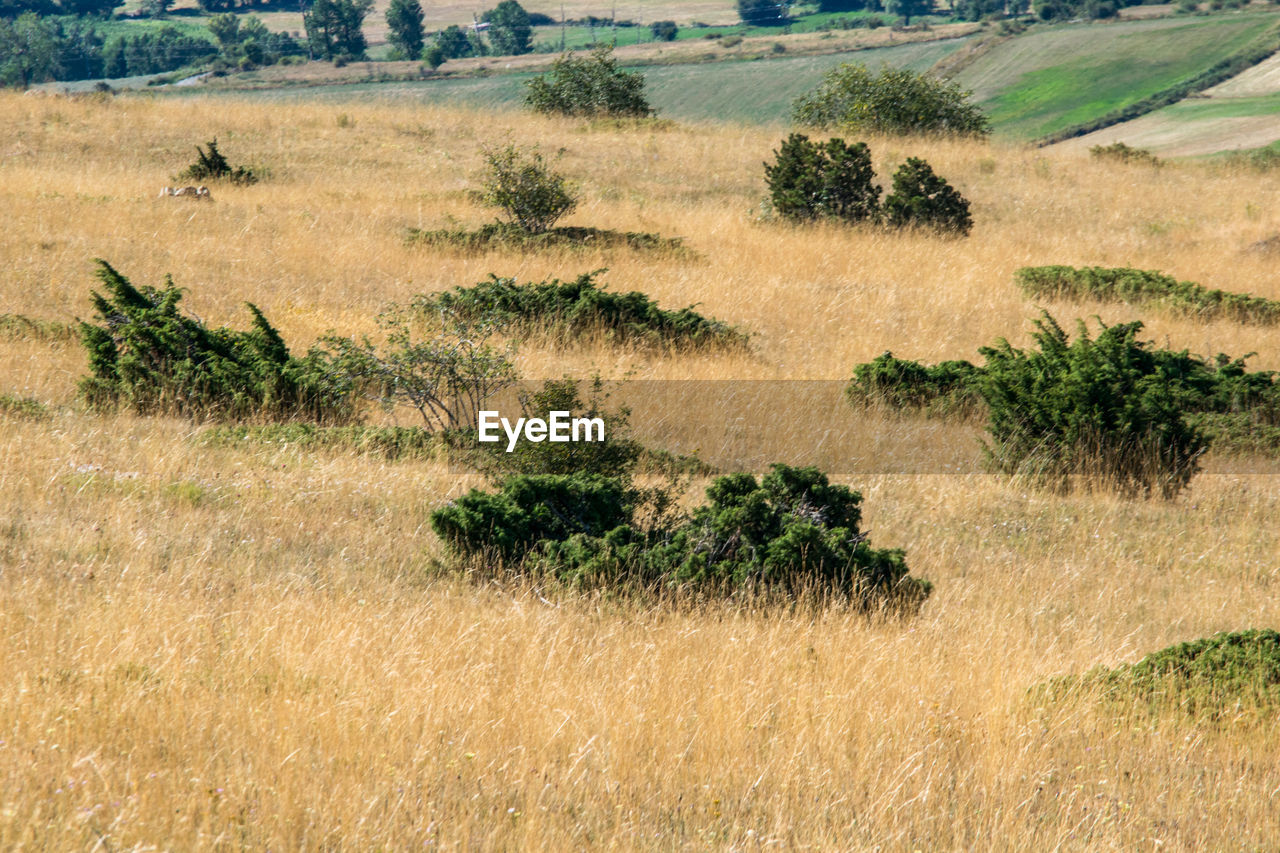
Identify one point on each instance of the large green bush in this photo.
(593, 86)
(832, 180)
(522, 185)
(921, 199)
(895, 101)
(146, 356)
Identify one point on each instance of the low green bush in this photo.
(211, 165)
(574, 308)
(940, 390)
(893, 101)
(392, 443)
(522, 185)
(1147, 288)
(922, 199)
(21, 327)
(591, 87)
(508, 237)
(1119, 152)
(147, 357)
(26, 408)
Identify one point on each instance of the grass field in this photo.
(205, 646)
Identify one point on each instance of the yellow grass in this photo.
(254, 647)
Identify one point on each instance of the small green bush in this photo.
(503, 235)
(1147, 288)
(831, 180)
(941, 390)
(591, 87)
(581, 306)
(148, 357)
(21, 327)
(22, 407)
(211, 165)
(1122, 153)
(895, 101)
(921, 199)
(524, 187)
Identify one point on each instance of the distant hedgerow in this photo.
(1145, 288)
(580, 306)
(146, 356)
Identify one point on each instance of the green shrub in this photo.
(944, 389)
(921, 199)
(792, 532)
(1226, 677)
(664, 30)
(831, 180)
(574, 308)
(22, 407)
(895, 101)
(151, 359)
(1122, 153)
(503, 235)
(521, 184)
(1147, 288)
(589, 87)
(21, 327)
(1109, 408)
(391, 443)
(211, 165)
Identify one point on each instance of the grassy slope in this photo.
(1059, 76)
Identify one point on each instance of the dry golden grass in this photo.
(253, 647)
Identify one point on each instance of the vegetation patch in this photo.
(20, 327)
(1145, 288)
(1222, 678)
(894, 101)
(498, 236)
(13, 406)
(147, 357)
(593, 86)
(577, 307)
(1121, 153)
(392, 443)
(211, 165)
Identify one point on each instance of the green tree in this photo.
(908, 9)
(29, 49)
(896, 100)
(453, 43)
(404, 19)
(589, 87)
(664, 30)
(763, 13)
(921, 198)
(509, 32)
(334, 28)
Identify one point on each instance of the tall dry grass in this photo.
(211, 647)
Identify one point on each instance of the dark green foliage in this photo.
(908, 9)
(921, 199)
(579, 307)
(941, 390)
(334, 28)
(22, 407)
(392, 443)
(154, 52)
(793, 532)
(246, 42)
(841, 5)
(149, 358)
(501, 235)
(895, 101)
(1147, 288)
(1122, 153)
(21, 327)
(763, 13)
(404, 22)
(509, 32)
(29, 51)
(522, 185)
(211, 165)
(1226, 677)
(664, 30)
(831, 180)
(594, 86)
(453, 43)
(1109, 408)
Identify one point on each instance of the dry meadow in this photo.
(255, 647)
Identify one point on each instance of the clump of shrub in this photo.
(895, 101)
(211, 165)
(22, 407)
(391, 443)
(835, 181)
(1122, 153)
(148, 357)
(503, 235)
(792, 532)
(520, 183)
(1145, 288)
(664, 30)
(592, 87)
(1225, 676)
(22, 327)
(939, 390)
(581, 306)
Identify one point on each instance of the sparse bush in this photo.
(831, 180)
(149, 358)
(664, 30)
(1122, 153)
(524, 187)
(895, 101)
(22, 407)
(921, 199)
(211, 165)
(1108, 408)
(589, 87)
(1147, 288)
(575, 308)
(391, 443)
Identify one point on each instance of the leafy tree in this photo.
(226, 29)
(831, 180)
(922, 199)
(895, 101)
(664, 30)
(453, 43)
(510, 33)
(522, 185)
(156, 8)
(589, 87)
(763, 13)
(908, 9)
(28, 50)
(334, 27)
(404, 19)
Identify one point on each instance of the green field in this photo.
(1059, 76)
